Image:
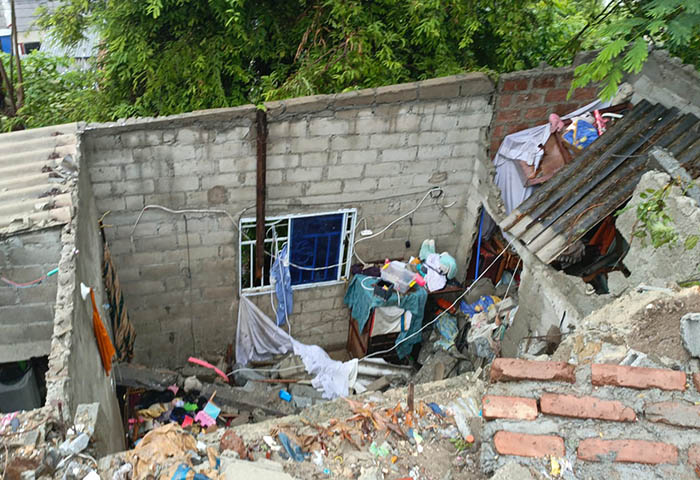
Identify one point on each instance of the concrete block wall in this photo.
(26, 314)
(76, 374)
(525, 99)
(377, 150)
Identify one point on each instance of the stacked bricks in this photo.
(525, 99)
(376, 150)
(27, 314)
(607, 419)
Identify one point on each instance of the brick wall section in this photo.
(26, 314)
(526, 99)
(608, 430)
(377, 150)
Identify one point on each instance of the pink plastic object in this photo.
(204, 419)
(420, 280)
(204, 364)
(555, 123)
(599, 122)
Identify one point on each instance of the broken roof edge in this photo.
(453, 86)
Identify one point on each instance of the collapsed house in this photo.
(242, 265)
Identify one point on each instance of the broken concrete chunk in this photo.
(192, 384)
(690, 333)
(137, 376)
(379, 384)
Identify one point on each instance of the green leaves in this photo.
(636, 27)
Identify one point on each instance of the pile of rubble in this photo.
(41, 444)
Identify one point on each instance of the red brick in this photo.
(495, 144)
(627, 451)
(556, 95)
(528, 98)
(518, 127)
(585, 407)
(694, 456)
(518, 408)
(506, 116)
(565, 108)
(587, 94)
(538, 113)
(637, 377)
(515, 84)
(544, 81)
(505, 369)
(498, 132)
(525, 445)
(696, 381)
(504, 101)
(681, 414)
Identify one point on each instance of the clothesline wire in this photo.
(299, 267)
(468, 289)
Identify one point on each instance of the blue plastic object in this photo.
(285, 395)
(436, 409)
(283, 287)
(585, 135)
(293, 450)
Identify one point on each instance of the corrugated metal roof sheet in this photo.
(598, 182)
(35, 192)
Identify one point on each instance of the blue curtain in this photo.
(315, 242)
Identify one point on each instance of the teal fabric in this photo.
(361, 302)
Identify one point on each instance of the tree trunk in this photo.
(15, 47)
(9, 90)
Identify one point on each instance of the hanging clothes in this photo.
(104, 343)
(282, 281)
(434, 278)
(257, 338)
(123, 329)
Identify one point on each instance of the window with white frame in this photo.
(319, 245)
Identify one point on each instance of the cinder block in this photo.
(309, 144)
(399, 154)
(239, 164)
(177, 184)
(322, 188)
(282, 161)
(328, 126)
(427, 138)
(380, 169)
(373, 125)
(315, 159)
(388, 140)
(106, 174)
(349, 142)
(342, 172)
(304, 174)
(133, 139)
(113, 203)
(426, 152)
(363, 185)
(358, 156)
(133, 187)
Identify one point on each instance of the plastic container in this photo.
(285, 395)
(397, 273)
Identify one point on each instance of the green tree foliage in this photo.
(162, 57)
(53, 93)
(630, 29)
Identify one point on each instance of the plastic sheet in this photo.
(282, 281)
(258, 338)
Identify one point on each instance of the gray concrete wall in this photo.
(26, 314)
(664, 79)
(377, 150)
(76, 374)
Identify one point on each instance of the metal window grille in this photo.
(320, 248)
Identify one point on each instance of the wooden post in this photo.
(261, 168)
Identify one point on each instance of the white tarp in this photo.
(258, 338)
(525, 146)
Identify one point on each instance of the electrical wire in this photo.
(33, 283)
(299, 267)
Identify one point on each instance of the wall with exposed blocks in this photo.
(376, 150)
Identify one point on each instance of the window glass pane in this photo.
(315, 242)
